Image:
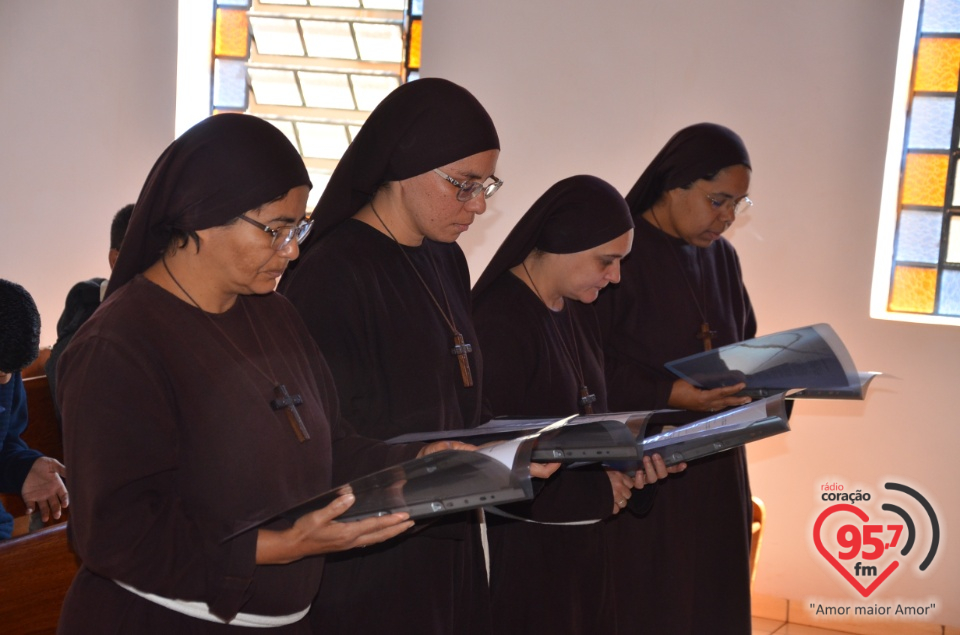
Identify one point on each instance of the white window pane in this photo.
(319, 180)
(953, 246)
(379, 42)
(397, 5)
(286, 127)
(274, 87)
(353, 130)
(326, 90)
(956, 187)
(328, 39)
(371, 89)
(336, 3)
(322, 141)
(276, 36)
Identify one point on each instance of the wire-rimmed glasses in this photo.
(283, 235)
(738, 205)
(469, 190)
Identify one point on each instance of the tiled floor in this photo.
(764, 626)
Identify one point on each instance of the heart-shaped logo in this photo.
(854, 582)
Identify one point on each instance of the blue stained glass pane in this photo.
(918, 237)
(233, 3)
(229, 84)
(416, 8)
(941, 16)
(949, 293)
(931, 123)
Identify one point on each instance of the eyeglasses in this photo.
(285, 233)
(469, 190)
(738, 205)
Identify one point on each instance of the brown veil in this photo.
(575, 214)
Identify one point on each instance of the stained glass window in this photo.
(313, 68)
(917, 271)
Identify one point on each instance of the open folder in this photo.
(456, 480)
(436, 484)
(811, 359)
(621, 439)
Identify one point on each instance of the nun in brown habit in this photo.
(543, 357)
(385, 292)
(195, 405)
(682, 291)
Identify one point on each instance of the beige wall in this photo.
(88, 105)
(87, 95)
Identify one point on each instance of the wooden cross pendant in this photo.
(706, 335)
(460, 349)
(288, 402)
(586, 399)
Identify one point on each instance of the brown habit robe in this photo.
(550, 578)
(171, 440)
(389, 349)
(687, 571)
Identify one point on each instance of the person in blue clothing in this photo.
(22, 471)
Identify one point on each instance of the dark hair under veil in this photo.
(696, 152)
(220, 168)
(573, 215)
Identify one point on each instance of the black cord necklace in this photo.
(585, 398)
(704, 334)
(460, 348)
(284, 400)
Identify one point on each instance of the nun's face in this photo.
(429, 202)
(581, 275)
(701, 213)
(240, 258)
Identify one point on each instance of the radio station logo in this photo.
(865, 545)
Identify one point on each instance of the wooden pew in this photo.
(35, 369)
(43, 430)
(35, 573)
(42, 433)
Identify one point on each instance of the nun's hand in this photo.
(320, 532)
(687, 396)
(440, 446)
(543, 470)
(654, 469)
(537, 470)
(621, 484)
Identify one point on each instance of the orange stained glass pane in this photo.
(416, 29)
(925, 179)
(232, 33)
(938, 60)
(914, 289)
